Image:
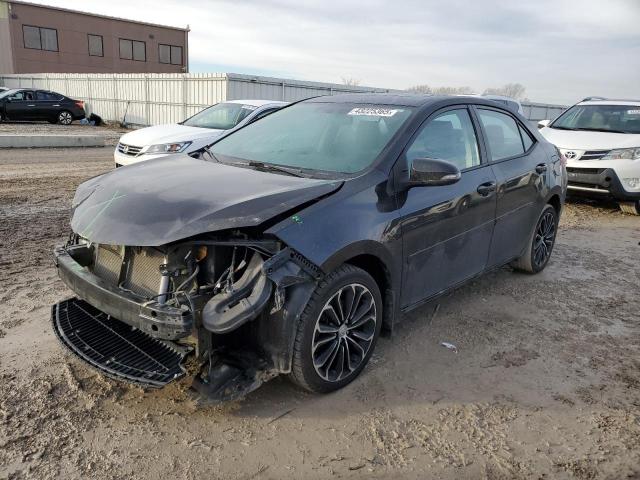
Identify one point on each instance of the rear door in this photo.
(47, 104)
(520, 166)
(446, 230)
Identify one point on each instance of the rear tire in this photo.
(632, 208)
(65, 117)
(541, 242)
(337, 330)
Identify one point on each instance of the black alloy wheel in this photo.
(543, 239)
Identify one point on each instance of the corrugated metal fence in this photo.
(151, 99)
(542, 111)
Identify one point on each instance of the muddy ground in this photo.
(545, 384)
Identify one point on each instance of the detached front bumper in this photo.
(157, 320)
(598, 182)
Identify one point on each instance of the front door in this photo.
(446, 230)
(21, 106)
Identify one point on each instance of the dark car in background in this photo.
(30, 104)
(292, 242)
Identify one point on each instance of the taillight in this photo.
(80, 104)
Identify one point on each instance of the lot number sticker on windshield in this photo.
(373, 112)
(633, 112)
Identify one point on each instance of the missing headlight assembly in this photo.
(230, 300)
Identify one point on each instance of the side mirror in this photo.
(543, 123)
(431, 172)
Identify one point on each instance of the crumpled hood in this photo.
(169, 133)
(159, 202)
(581, 140)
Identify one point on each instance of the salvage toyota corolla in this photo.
(287, 246)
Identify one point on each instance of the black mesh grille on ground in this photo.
(113, 347)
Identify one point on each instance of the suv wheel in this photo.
(541, 243)
(632, 208)
(65, 118)
(337, 331)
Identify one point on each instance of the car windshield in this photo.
(600, 118)
(222, 116)
(7, 93)
(330, 137)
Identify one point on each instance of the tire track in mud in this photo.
(35, 199)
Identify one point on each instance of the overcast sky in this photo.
(561, 50)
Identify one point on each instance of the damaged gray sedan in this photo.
(289, 245)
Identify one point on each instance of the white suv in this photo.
(600, 139)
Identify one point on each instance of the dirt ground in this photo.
(545, 384)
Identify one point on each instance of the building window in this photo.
(133, 50)
(40, 38)
(170, 54)
(95, 46)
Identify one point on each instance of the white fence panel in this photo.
(146, 99)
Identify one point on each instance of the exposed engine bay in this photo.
(228, 299)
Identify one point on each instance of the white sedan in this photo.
(192, 134)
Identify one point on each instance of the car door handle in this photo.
(541, 168)
(30, 105)
(487, 188)
(56, 105)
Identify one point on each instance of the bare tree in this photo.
(350, 81)
(513, 90)
(452, 90)
(441, 90)
(420, 89)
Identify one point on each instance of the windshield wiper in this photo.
(589, 129)
(271, 167)
(607, 130)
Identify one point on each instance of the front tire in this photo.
(65, 118)
(540, 246)
(632, 208)
(337, 331)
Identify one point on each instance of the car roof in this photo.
(501, 97)
(258, 103)
(610, 102)
(400, 99)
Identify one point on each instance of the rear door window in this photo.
(503, 134)
(48, 96)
